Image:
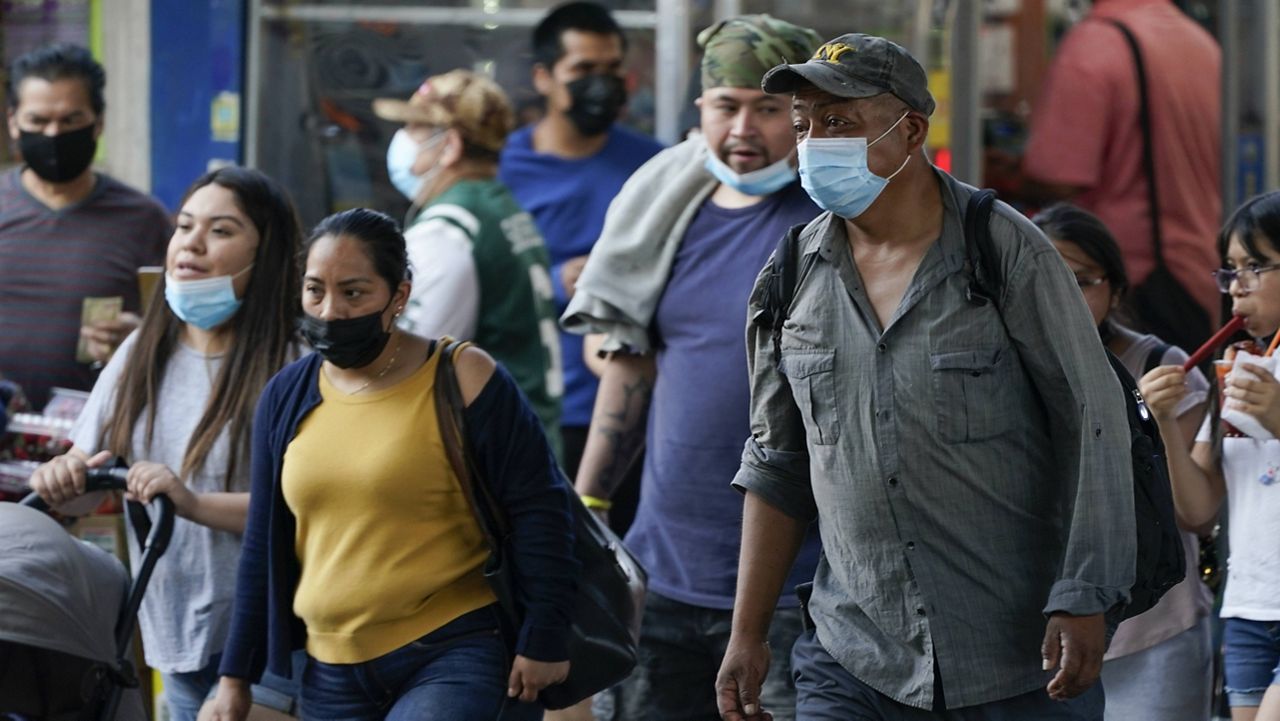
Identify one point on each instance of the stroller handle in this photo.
(96, 479)
(113, 479)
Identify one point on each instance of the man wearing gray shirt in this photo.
(968, 461)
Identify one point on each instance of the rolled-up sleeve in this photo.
(775, 462)
(1085, 405)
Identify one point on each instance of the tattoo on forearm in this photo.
(624, 433)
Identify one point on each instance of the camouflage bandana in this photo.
(739, 51)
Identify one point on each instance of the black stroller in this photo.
(68, 612)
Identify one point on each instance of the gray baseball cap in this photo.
(857, 66)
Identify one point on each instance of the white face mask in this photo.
(402, 153)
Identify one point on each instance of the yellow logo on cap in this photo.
(831, 52)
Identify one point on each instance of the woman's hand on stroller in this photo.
(62, 480)
(232, 701)
(148, 479)
(528, 677)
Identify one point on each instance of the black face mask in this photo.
(60, 158)
(348, 342)
(597, 101)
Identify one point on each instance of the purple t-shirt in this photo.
(51, 260)
(688, 528)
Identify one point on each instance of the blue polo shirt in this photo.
(567, 198)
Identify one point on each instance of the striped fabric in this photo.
(51, 260)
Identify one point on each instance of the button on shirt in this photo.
(972, 471)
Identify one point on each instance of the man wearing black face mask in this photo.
(566, 168)
(66, 232)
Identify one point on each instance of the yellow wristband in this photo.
(596, 504)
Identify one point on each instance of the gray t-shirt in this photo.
(187, 608)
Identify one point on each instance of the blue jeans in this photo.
(185, 693)
(825, 691)
(1251, 659)
(456, 673)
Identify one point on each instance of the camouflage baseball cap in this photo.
(857, 66)
(461, 99)
(738, 52)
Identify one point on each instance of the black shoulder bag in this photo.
(609, 599)
(1160, 305)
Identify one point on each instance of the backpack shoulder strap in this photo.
(984, 262)
(780, 286)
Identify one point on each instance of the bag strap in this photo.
(449, 408)
(987, 283)
(781, 287)
(1148, 152)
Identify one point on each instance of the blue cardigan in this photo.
(512, 455)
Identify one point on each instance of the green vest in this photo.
(516, 323)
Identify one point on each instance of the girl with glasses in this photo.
(1242, 470)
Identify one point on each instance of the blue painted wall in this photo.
(197, 55)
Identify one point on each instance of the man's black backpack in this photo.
(1160, 561)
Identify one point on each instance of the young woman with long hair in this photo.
(176, 402)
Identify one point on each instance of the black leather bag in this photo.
(609, 599)
(1160, 305)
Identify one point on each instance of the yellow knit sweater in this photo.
(389, 548)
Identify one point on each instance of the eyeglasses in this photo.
(1247, 277)
(1084, 282)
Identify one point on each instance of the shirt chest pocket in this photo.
(811, 374)
(972, 392)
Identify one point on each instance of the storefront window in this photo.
(316, 129)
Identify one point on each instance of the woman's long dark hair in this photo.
(263, 333)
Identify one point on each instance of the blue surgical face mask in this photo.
(401, 155)
(765, 181)
(834, 172)
(205, 303)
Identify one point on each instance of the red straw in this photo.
(1233, 325)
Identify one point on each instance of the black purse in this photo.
(609, 599)
(1160, 305)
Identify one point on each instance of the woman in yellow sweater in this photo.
(360, 544)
